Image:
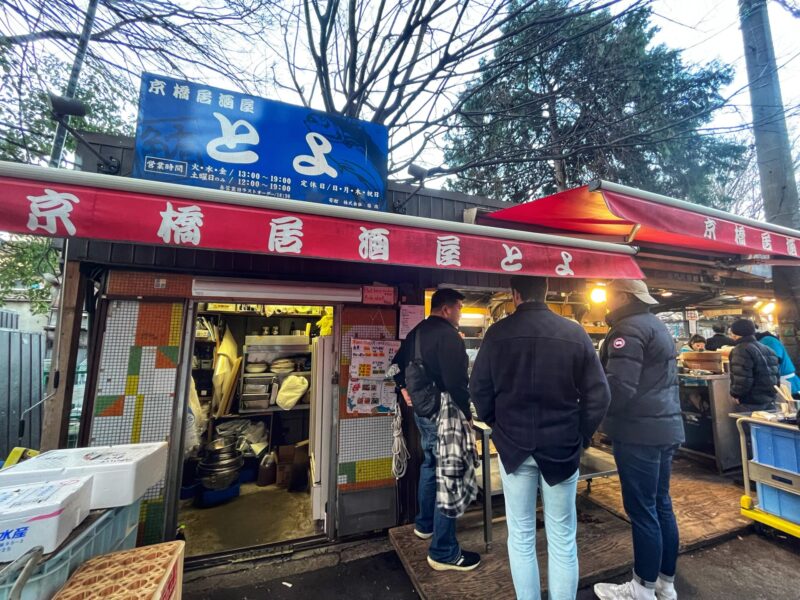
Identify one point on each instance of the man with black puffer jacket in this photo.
(645, 426)
(755, 369)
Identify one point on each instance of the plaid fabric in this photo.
(456, 483)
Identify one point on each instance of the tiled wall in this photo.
(365, 441)
(136, 385)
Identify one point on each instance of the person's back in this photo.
(645, 425)
(444, 356)
(445, 362)
(754, 373)
(538, 382)
(639, 357)
(538, 359)
(786, 366)
(719, 339)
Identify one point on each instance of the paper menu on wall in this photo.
(370, 396)
(370, 359)
(410, 316)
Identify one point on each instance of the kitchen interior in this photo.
(254, 460)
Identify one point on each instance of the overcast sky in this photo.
(708, 29)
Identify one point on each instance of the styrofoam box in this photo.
(41, 514)
(122, 474)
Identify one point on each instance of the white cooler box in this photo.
(122, 474)
(41, 514)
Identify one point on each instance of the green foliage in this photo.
(26, 135)
(26, 128)
(23, 260)
(592, 97)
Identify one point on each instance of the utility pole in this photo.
(776, 173)
(72, 84)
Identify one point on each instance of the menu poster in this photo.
(370, 397)
(410, 316)
(370, 359)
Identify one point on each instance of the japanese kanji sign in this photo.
(85, 211)
(200, 135)
(635, 215)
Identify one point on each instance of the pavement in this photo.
(752, 566)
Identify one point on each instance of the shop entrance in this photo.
(257, 438)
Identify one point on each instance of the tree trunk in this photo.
(559, 165)
(775, 168)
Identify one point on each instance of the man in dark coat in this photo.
(645, 425)
(719, 339)
(755, 369)
(538, 382)
(446, 363)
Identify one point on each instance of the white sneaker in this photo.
(630, 590)
(421, 535)
(665, 590)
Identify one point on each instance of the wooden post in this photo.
(55, 424)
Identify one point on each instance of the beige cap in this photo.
(635, 287)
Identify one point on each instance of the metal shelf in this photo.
(271, 374)
(263, 413)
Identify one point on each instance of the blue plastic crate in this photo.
(779, 502)
(779, 448)
(209, 498)
(115, 530)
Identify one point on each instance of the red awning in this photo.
(58, 202)
(606, 209)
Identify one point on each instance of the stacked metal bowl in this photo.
(220, 467)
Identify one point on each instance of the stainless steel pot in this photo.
(221, 444)
(219, 480)
(218, 464)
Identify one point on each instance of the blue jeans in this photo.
(561, 523)
(444, 547)
(644, 473)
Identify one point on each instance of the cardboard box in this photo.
(284, 475)
(122, 474)
(41, 514)
(286, 454)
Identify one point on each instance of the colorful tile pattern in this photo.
(137, 377)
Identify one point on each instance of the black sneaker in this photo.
(466, 561)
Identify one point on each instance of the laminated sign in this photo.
(208, 137)
(368, 390)
(370, 359)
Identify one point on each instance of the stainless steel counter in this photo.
(710, 420)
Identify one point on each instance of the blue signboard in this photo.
(204, 136)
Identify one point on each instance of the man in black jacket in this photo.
(645, 425)
(755, 369)
(538, 382)
(719, 339)
(446, 363)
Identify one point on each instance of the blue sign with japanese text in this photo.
(200, 135)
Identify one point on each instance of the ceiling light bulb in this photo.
(598, 295)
